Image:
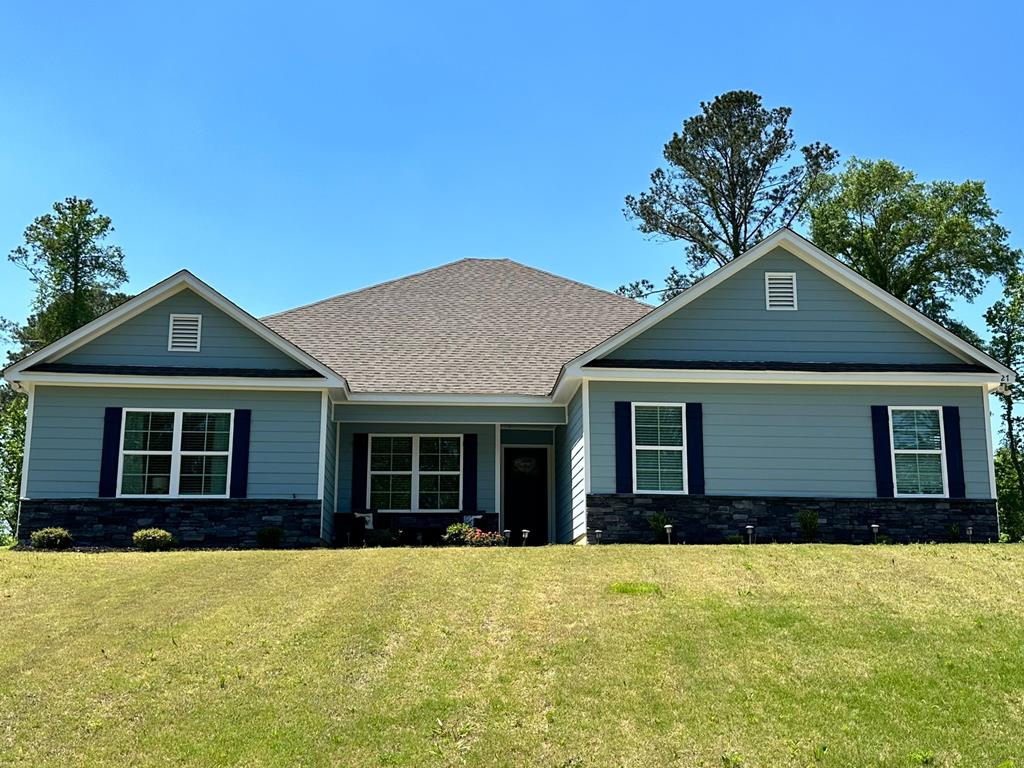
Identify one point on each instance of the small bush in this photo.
(658, 522)
(6, 539)
(271, 537)
(457, 534)
(153, 540)
(809, 524)
(52, 538)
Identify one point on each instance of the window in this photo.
(780, 290)
(175, 453)
(425, 469)
(918, 457)
(659, 450)
(184, 333)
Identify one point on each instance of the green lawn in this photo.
(562, 656)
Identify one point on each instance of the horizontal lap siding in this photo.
(67, 434)
(485, 455)
(788, 440)
(225, 343)
(832, 324)
(570, 491)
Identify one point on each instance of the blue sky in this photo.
(287, 152)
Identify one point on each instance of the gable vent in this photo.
(184, 333)
(780, 290)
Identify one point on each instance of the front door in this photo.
(525, 484)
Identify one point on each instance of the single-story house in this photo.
(783, 393)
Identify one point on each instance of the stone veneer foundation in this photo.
(194, 523)
(720, 519)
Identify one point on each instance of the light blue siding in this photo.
(67, 436)
(832, 324)
(142, 340)
(570, 491)
(450, 414)
(330, 467)
(788, 440)
(486, 487)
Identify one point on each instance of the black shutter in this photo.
(360, 459)
(954, 452)
(883, 451)
(695, 449)
(240, 453)
(469, 473)
(110, 453)
(623, 447)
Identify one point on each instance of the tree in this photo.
(730, 180)
(1005, 320)
(76, 275)
(925, 243)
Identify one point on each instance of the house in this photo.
(782, 390)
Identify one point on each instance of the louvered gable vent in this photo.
(185, 333)
(780, 290)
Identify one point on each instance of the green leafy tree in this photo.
(76, 274)
(1005, 320)
(730, 180)
(926, 243)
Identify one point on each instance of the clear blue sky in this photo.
(289, 151)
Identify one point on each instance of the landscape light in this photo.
(668, 533)
(526, 534)
(597, 535)
(750, 534)
(508, 536)
(970, 534)
(874, 531)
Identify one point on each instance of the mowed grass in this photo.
(742, 656)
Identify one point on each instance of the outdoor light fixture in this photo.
(597, 535)
(668, 533)
(750, 534)
(508, 536)
(874, 531)
(970, 534)
(526, 535)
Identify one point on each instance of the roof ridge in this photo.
(579, 283)
(374, 285)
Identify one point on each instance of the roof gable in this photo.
(134, 336)
(813, 256)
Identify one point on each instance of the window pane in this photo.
(205, 431)
(390, 492)
(659, 470)
(148, 431)
(919, 473)
(391, 454)
(149, 475)
(659, 425)
(670, 426)
(916, 430)
(203, 475)
(439, 454)
(646, 425)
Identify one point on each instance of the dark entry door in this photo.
(525, 483)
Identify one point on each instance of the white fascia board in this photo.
(150, 298)
(412, 398)
(170, 382)
(905, 378)
(811, 254)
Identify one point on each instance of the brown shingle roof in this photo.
(485, 326)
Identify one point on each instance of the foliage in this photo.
(730, 179)
(658, 521)
(1005, 320)
(464, 535)
(809, 524)
(12, 442)
(928, 244)
(271, 537)
(52, 538)
(350, 657)
(153, 540)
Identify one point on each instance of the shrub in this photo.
(809, 524)
(478, 538)
(457, 534)
(52, 538)
(271, 537)
(7, 539)
(153, 540)
(658, 522)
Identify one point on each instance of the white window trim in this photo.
(176, 453)
(414, 498)
(170, 332)
(681, 448)
(941, 453)
(767, 279)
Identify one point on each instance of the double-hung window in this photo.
(659, 448)
(415, 473)
(175, 453)
(918, 452)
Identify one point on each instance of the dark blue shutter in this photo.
(242, 425)
(360, 459)
(954, 452)
(110, 452)
(623, 447)
(695, 449)
(469, 473)
(883, 451)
